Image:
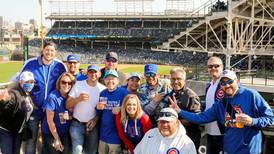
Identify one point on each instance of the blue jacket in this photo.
(238, 140)
(43, 84)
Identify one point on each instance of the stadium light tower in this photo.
(179, 6)
(71, 7)
(134, 6)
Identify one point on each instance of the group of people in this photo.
(104, 111)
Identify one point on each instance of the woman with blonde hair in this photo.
(56, 123)
(131, 122)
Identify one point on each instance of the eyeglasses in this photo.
(174, 79)
(65, 82)
(166, 114)
(224, 83)
(111, 60)
(213, 65)
(150, 75)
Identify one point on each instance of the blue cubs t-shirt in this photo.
(109, 133)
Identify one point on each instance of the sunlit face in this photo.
(93, 75)
(65, 84)
(229, 86)
(151, 79)
(167, 128)
(177, 81)
(111, 63)
(133, 84)
(131, 107)
(49, 53)
(214, 67)
(111, 82)
(73, 67)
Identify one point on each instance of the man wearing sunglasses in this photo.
(243, 112)
(111, 63)
(169, 137)
(152, 92)
(214, 92)
(73, 65)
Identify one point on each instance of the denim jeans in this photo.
(83, 141)
(9, 143)
(48, 140)
(30, 147)
(214, 144)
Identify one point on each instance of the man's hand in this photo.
(158, 98)
(4, 95)
(83, 96)
(244, 119)
(173, 104)
(91, 123)
(101, 105)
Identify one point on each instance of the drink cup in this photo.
(238, 124)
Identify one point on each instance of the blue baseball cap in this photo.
(151, 68)
(111, 72)
(73, 58)
(94, 67)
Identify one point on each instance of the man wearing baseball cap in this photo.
(153, 91)
(109, 105)
(111, 63)
(169, 137)
(243, 112)
(82, 100)
(16, 109)
(73, 65)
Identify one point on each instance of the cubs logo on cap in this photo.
(151, 68)
(228, 74)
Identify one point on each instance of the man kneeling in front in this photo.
(169, 137)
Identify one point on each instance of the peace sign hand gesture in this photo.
(173, 104)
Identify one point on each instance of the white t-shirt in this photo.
(179, 143)
(212, 127)
(85, 110)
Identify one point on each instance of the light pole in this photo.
(41, 24)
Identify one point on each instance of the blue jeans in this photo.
(9, 143)
(30, 147)
(82, 140)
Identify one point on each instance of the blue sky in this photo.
(23, 10)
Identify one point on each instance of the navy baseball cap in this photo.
(151, 68)
(112, 55)
(73, 58)
(94, 67)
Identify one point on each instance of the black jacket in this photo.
(13, 113)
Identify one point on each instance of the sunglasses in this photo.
(166, 114)
(150, 75)
(224, 83)
(65, 82)
(213, 65)
(111, 60)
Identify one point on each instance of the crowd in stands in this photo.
(130, 55)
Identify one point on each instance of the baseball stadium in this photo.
(185, 34)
